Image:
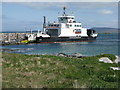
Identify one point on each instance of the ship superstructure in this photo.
(66, 27)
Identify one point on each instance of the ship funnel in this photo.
(44, 25)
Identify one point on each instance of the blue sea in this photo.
(104, 44)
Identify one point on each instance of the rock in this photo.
(71, 56)
(117, 60)
(78, 55)
(62, 54)
(105, 60)
(8, 50)
(115, 68)
(15, 50)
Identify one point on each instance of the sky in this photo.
(23, 16)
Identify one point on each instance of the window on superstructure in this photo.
(78, 30)
(61, 19)
(70, 25)
(64, 17)
(67, 25)
(75, 25)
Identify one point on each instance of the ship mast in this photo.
(44, 25)
(64, 11)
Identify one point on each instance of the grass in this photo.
(46, 71)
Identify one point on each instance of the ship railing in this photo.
(52, 27)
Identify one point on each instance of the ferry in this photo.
(66, 29)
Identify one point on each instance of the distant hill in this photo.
(106, 30)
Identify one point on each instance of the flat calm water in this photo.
(104, 44)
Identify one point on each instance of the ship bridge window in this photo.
(55, 25)
(77, 25)
(70, 25)
(64, 17)
(67, 17)
(70, 18)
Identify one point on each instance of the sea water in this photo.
(104, 44)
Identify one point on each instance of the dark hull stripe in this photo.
(60, 40)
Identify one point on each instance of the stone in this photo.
(62, 54)
(115, 68)
(117, 60)
(78, 55)
(105, 60)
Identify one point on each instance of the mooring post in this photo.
(17, 37)
(8, 37)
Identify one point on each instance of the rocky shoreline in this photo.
(76, 55)
(5, 50)
(103, 59)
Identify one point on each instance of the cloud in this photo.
(60, 1)
(105, 12)
(4, 16)
(42, 5)
(88, 5)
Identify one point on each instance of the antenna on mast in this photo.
(64, 10)
(58, 12)
(72, 13)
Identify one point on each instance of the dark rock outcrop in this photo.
(76, 55)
